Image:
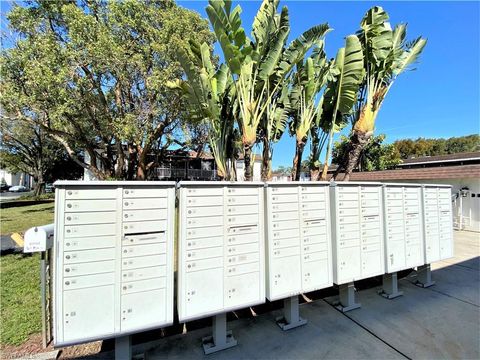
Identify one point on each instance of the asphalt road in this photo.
(8, 196)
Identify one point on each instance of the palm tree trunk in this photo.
(358, 142)
(297, 161)
(266, 161)
(247, 148)
(327, 155)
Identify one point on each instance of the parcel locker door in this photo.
(316, 274)
(203, 292)
(396, 255)
(143, 309)
(348, 264)
(285, 277)
(372, 263)
(241, 290)
(88, 313)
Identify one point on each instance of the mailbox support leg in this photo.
(390, 286)
(123, 348)
(291, 315)
(221, 339)
(424, 276)
(43, 286)
(346, 297)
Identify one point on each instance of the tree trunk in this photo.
(327, 155)
(314, 174)
(297, 161)
(247, 148)
(357, 144)
(266, 161)
(131, 161)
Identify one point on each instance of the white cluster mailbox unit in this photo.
(404, 245)
(299, 257)
(358, 236)
(113, 258)
(437, 203)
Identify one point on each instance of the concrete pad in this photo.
(466, 247)
(422, 323)
(327, 335)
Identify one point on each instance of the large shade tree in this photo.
(386, 55)
(94, 74)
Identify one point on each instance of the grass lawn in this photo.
(21, 218)
(20, 314)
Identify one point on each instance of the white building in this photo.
(14, 179)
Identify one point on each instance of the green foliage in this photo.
(408, 148)
(375, 156)
(20, 314)
(93, 75)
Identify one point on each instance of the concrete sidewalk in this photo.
(438, 322)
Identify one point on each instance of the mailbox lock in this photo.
(69, 218)
(68, 244)
(126, 192)
(67, 257)
(126, 203)
(67, 270)
(69, 193)
(189, 266)
(67, 282)
(126, 216)
(124, 288)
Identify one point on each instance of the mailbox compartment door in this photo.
(83, 316)
(348, 264)
(143, 309)
(396, 255)
(372, 263)
(284, 277)
(203, 292)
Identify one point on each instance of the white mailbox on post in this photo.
(113, 258)
(221, 257)
(299, 254)
(358, 236)
(437, 204)
(404, 245)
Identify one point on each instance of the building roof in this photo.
(424, 173)
(459, 157)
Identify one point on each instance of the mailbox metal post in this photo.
(123, 348)
(390, 286)
(220, 339)
(291, 318)
(346, 298)
(424, 276)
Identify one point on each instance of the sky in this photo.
(439, 99)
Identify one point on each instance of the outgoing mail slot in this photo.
(242, 249)
(313, 197)
(284, 190)
(242, 191)
(143, 261)
(349, 227)
(347, 197)
(285, 225)
(204, 232)
(204, 243)
(308, 249)
(142, 250)
(90, 218)
(294, 206)
(348, 212)
(144, 285)
(90, 205)
(94, 194)
(314, 223)
(144, 273)
(96, 267)
(242, 210)
(242, 239)
(284, 198)
(370, 218)
(144, 226)
(204, 201)
(243, 258)
(205, 191)
(140, 204)
(316, 256)
(287, 215)
(243, 200)
(286, 234)
(206, 210)
(143, 239)
(242, 269)
(204, 253)
(73, 257)
(144, 192)
(205, 221)
(89, 243)
(144, 215)
(204, 264)
(290, 251)
(243, 229)
(242, 219)
(87, 281)
(370, 211)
